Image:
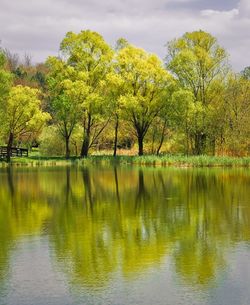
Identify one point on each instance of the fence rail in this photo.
(15, 152)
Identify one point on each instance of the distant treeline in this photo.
(94, 96)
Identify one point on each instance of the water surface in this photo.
(124, 236)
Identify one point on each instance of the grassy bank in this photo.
(164, 160)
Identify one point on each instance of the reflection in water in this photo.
(100, 221)
(22, 213)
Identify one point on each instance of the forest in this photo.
(121, 99)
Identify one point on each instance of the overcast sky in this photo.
(37, 26)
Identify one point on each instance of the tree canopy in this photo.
(22, 114)
(116, 98)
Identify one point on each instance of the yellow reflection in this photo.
(106, 220)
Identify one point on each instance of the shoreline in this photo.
(147, 160)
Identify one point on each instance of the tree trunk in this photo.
(197, 145)
(140, 144)
(213, 146)
(162, 137)
(200, 143)
(116, 135)
(153, 143)
(76, 150)
(67, 147)
(85, 147)
(86, 139)
(187, 137)
(10, 143)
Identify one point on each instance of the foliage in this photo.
(21, 114)
(67, 90)
(50, 144)
(145, 89)
(102, 98)
(198, 62)
(236, 116)
(91, 57)
(246, 73)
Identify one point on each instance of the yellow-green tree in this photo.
(236, 116)
(145, 85)
(67, 93)
(91, 56)
(5, 85)
(5, 77)
(21, 114)
(198, 61)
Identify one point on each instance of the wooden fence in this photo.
(15, 152)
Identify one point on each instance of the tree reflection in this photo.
(139, 217)
(22, 213)
(106, 220)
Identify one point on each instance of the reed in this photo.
(147, 160)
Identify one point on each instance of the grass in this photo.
(148, 160)
(173, 160)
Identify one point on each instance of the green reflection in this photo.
(105, 220)
(22, 213)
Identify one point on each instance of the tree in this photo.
(246, 73)
(67, 93)
(236, 114)
(91, 56)
(5, 85)
(115, 90)
(5, 77)
(197, 61)
(183, 111)
(21, 114)
(12, 60)
(145, 85)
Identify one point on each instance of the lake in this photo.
(124, 236)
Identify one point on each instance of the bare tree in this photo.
(27, 60)
(12, 60)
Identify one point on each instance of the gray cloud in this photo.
(37, 27)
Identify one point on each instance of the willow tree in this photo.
(197, 61)
(145, 85)
(236, 116)
(22, 114)
(91, 56)
(114, 91)
(67, 91)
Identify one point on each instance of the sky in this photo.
(36, 27)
